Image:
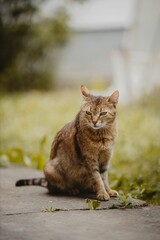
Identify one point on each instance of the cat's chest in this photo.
(95, 144)
(104, 153)
(104, 144)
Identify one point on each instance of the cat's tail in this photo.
(30, 182)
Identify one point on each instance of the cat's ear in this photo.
(85, 92)
(114, 97)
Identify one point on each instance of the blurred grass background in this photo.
(29, 122)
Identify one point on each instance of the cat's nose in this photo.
(94, 122)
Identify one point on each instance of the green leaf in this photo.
(52, 209)
(93, 204)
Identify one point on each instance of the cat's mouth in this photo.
(97, 126)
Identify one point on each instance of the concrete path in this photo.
(23, 216)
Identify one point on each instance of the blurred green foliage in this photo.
(30, 121)
(28, 45)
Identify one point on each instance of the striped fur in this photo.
(32, 182)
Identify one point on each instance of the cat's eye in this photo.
(103, 113)
(88, 113)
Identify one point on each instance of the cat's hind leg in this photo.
(54, 177)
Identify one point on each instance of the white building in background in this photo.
(112, 40)
(137, 64)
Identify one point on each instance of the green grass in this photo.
(29, 122)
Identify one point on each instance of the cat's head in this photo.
(98, 112)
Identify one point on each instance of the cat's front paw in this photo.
(103, 196)
(113, 193)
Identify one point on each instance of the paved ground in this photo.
(22, 217)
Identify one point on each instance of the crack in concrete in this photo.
(71, 209)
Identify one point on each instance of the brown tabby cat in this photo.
(82, 149)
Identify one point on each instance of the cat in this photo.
(82, 149)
